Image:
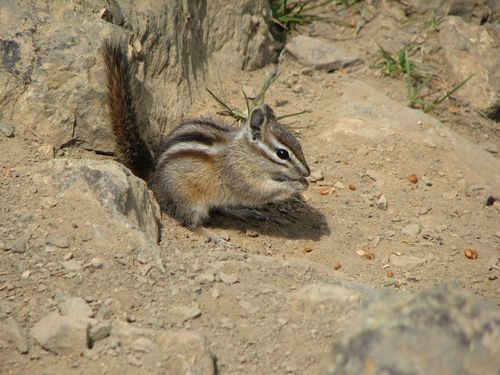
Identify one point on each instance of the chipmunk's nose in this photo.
(307, 171)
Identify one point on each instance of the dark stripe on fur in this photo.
(192, 136)
(193, 154)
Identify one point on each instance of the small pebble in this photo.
(382, 203)
(339, 185)
(6, 129)
(97, 262)
(227, 278)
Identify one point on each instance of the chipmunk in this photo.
(204, 164)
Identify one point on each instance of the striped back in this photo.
(199, 139)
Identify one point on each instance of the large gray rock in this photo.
(444, 331)
(472, 49)
(62, 334)
(319, 54)
(124, 196)
(476, 11)
(123, 212)
(51, 74)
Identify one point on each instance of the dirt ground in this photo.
(251, 326)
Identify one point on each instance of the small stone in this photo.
(426, 180)
(47, 151)
(187, 312)
(144, 345)
(320, 54)
(197, 267)
(228, 278)
(316, 175)
(68, 256)
(61, 334)
(298, 89)
(6, 129)
(76, 307)
(114, 342)
(326, 190)
(215, 293)
(26, 274)
(58, 240)
(19, 244)
(72, 266)
(491, 147)
(91, 355)
(97, 262)
(205, 278)
(411, 230)
(381, 203)
(134, 361)
(339, 185)
(100, 330)
(131, 318)
(424, 210)
(11, 334)
(352, 187)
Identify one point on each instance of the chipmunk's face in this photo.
(280, 156)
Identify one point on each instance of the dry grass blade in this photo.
(237, 114)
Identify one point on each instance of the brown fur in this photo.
(131, 149)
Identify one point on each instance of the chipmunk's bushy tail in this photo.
(131, 149)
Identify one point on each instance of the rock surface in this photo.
(169, 352)
(473, 49)
(51, 79)
(477, 11)
(443, 331)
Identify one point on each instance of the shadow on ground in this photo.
(293, 219)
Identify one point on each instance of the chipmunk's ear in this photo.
(256, 124)
(268, 111)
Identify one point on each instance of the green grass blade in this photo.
(247, 102)
(448, 94)
(292, 114)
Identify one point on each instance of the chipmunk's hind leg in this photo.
(194, 218)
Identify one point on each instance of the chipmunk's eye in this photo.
(282, 154)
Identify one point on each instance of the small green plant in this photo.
(400, 63)
(291, 14)
(435, 22)
(418, 83)
(253, 103)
